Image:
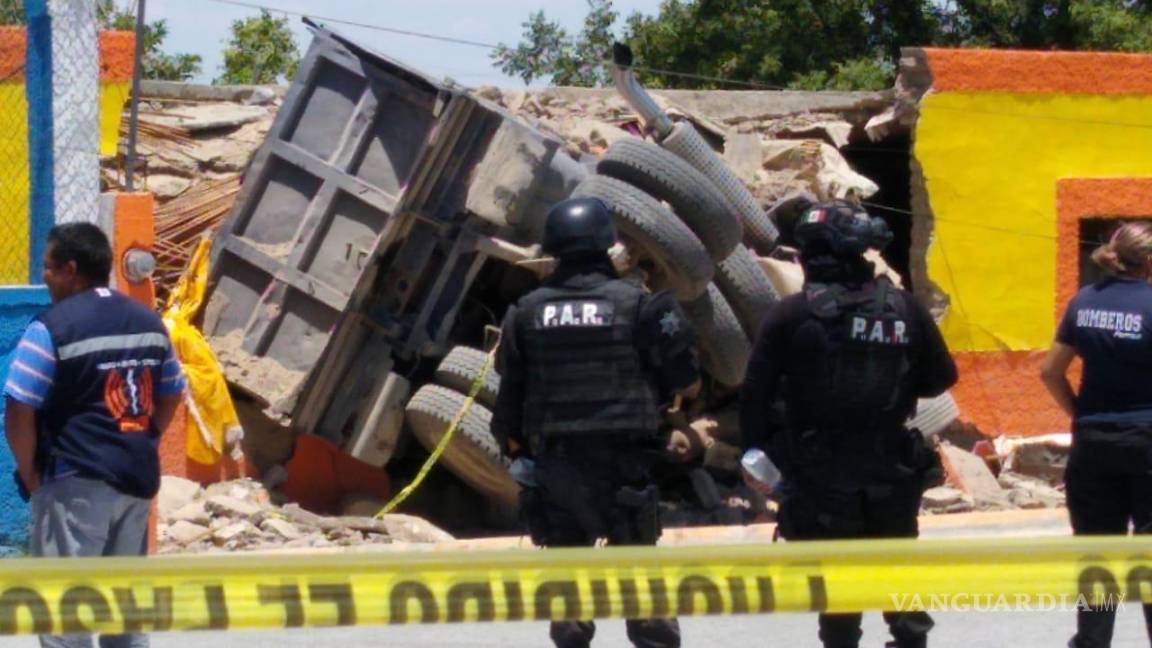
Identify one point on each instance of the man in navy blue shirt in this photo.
(92, 384)
(1109, 474)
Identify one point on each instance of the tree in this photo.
(816, 44)
(548, 49)
(154, 64)
(261, 51)
(1103, 25)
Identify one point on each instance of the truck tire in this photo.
(473, 455)
(687, 144)
(699, 313)
(934, 414)
(460, 368)
(746, 288)
(680, 256)
(691, 195)
(724, 349)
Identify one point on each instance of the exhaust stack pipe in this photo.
(626, 84)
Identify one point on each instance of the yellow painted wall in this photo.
(991, 161)
(13, 184)
(14, 181)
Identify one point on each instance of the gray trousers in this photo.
(76, 517)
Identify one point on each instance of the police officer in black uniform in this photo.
(848, 356)
(586, 361)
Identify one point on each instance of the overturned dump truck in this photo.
(387, 222)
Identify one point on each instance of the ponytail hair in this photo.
(1127, 253)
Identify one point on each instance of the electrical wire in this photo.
(353, 23)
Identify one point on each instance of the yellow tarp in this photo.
(211, 414)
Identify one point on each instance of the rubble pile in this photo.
(243, 515)
(218, 140)
(775, 154)
(989, 483)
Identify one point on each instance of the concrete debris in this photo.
(281, 529)
(184, 533)
(194, 512)
(945, 499)
(166, 187)
(239, 515)
(971, 475)
(236, 535)
(413, 529)
(223, 505)
(174, 493)
(742, 153)
(835, 132)
(1043, 457)
(1026, 492)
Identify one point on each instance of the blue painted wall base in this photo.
(18, 305)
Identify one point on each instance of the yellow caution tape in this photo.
(473, 390)
(178, 593)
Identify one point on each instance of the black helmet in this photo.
(840, 228)
(578, 226)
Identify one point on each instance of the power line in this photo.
(671, 73)
(353, 23)
(992, 228)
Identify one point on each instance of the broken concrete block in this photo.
(185, 533)
(941, 497)
(1027, 492)
(167, 187)
(230, 507)
(409, 528)
(174, 493)
(743, 153)
(970, 474)
(594, 136)
(235, 533)
(1044, 457)
(281, 529)
(194, 512)
(835, 133)
(837, 179)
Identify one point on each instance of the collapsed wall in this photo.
(1022, 161)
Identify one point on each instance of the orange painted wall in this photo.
(1017, 148)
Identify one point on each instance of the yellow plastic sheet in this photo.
(211, 414)
(228, 592)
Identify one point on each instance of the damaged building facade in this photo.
(1023, 163)
(371, 224)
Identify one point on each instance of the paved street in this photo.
(954, 630)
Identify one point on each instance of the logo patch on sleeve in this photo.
(575, 313)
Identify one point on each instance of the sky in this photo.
(202, 27)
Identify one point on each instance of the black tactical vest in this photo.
(867, 366)
(586, 369)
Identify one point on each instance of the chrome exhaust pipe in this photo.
(626, 84)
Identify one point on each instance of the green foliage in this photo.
(155, 64)
(261, 51)
(12, 12)
(814, 44)
(548, 50)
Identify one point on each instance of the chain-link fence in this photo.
(75, 110)
(14, 183)
(49, 129)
